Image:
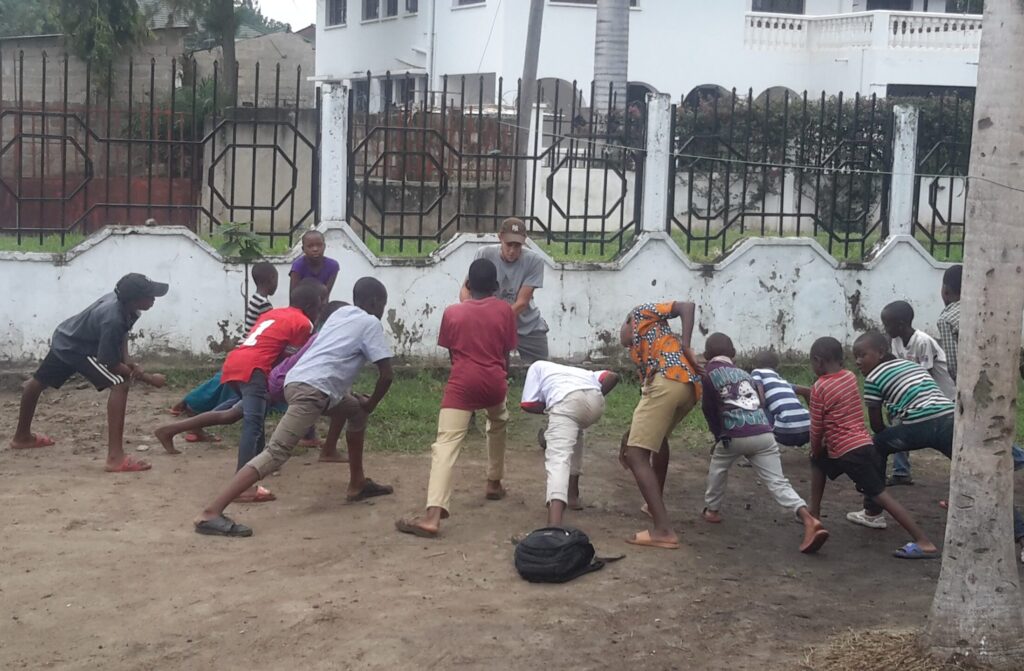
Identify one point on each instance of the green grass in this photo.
(397, 249)
(49, 244)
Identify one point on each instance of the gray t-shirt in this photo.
(348, 339)
(528, 271)
(99, 331)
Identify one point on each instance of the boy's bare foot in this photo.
(712, 516)
(574, 503)
(309, 442)
(127, 465)
(37, 440)
(367, 490)
(166, 439)
(494, 491)
(815, 536)
(333, 456)
(417, 526)
(655, 539)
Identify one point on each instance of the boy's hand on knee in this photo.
(622, 451)
(154, 379)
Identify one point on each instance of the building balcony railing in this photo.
(885, 30)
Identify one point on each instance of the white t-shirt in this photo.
(549, 383)
(348, 339)
(925, 350)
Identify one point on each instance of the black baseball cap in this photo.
(483, 276)
(136, 285)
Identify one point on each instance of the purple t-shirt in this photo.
(328, 269)
(730, 401)
(275, 384)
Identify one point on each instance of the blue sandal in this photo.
(914, 551)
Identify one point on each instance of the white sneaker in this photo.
(862, 518)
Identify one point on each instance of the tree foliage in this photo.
(19, 17)
(102, 29)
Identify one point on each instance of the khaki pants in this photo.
(663, 404)
(452, 425)
(763, 454)
(564, 435)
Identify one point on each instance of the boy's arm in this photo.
(293, 281)
(610, 381)
(464, 291)
(817, 412)
(686, 311)
(875, 418)
(709, 405)
(760, 394)
(801, 390)
(385, 376)
(330, 285)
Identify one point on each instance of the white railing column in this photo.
(333, 152)
(654, 215)
(904, 168)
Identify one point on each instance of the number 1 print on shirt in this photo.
(254, 336)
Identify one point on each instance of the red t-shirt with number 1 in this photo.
(479, 334)
(266, 342)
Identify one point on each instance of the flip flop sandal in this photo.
(643, 538)
(914, 551)
(369, 490)
(191, 437)
(38, 440)
(262, 495)
(223, 526)
(130, 465)
(407, 527)
(817, 540)
(496, 496)
(706, 515)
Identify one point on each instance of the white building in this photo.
(866, 46)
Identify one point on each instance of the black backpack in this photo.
(555, 554)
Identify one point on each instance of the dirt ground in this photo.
(104, 571)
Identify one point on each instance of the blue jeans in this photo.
(1018, 518)
(898, 439)
(254, 414)
(901, 464)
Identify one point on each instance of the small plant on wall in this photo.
(239, 243)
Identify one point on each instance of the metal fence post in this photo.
(654, 210)
(904, 167)
(333, 152)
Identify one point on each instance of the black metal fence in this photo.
(426, 164)
(171, 142)
(780, 164)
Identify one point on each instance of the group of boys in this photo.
(908, 375)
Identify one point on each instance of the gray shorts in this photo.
(533, 346)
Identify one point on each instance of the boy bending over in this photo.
(741, 429)
(321, 384)
(573, 399)
(94, 343)
(840, 444)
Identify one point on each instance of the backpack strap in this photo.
(597, 564)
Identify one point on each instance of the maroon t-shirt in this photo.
(479, 334)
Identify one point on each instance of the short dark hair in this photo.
(306, 295)
(483, 276)
(309, 233)
(329, 310)
(901, 311)
(263, 272)
(719, 344)
(827, 349)
(368, 289)
(953, 278)
(766, 358)
(876, 340)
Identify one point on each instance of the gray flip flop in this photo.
(223, 526)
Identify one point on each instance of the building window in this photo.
(371, 10)
(467, 3)
(779, 6)
(336, 12)
(632, 3)
(361, 95)
(390, 7)
(412, 6)
(890, 5)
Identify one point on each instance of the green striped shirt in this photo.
(906, 391)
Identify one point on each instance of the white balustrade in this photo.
(916, 30)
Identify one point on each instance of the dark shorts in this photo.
(862, 465)
(793, 439)
(55, 370)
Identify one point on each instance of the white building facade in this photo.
(865, 46)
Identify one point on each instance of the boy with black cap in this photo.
(94, 343)
(478, 333)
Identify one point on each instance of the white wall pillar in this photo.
(333, 152)
(654, 215)
(904, 167)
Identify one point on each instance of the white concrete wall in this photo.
(782, 292)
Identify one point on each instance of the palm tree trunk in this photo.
(611, 57)
(977, 606)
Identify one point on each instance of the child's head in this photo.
(766, 358)
(718, 344)
(951, 280)
(328, 310)
(898, 319)
(869, 350)
(369, 295)
(138, 292)
(313, 244)
(483, 278)
(265, 276)
(626, 331)
(308, 297)
(826, 356)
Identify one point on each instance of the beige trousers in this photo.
(452, 425)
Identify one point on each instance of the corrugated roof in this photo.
(162, 15)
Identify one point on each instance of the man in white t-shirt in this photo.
(573, 399)
(321, 384)
(912, 345)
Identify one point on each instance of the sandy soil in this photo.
(104, 571)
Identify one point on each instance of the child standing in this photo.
(313, 264)
(790, 420)
(948, 323)
(248, 366)
(671, 388)
(920, 415)
(741, 429)
(573, 399)
(321, 383)
(94, 343)
(479, 334)
(840, 444)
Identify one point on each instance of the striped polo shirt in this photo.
(785, 411)
(254, 309)
(906, 391)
